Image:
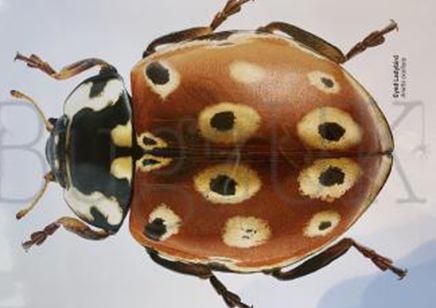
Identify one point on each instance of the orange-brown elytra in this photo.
(237, 151)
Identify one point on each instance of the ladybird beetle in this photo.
(237, 151)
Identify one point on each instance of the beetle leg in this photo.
(67, 72)
(326, 257)
(308, 39)
(71, 224)
(376, 38)
(231, 299)
(176, 37)
(203, 272)
(232, 7)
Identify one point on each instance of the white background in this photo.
(70, 272)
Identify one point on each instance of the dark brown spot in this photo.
(331, 131)
(328, 82)
(324, 225)
(148, 141)
(332, 176)
(223, 121)
(223, 185)
(157, 73)
(150, 162)
(155, 230)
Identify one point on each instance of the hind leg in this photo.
(201, 271)
(333, 253)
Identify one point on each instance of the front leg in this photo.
(203, 272)
(70, 224)
(68, 71)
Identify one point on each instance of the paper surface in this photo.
(70, 272)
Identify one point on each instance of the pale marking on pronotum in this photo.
(81, 97)
(122, 168)
(82, 205)
(122, 135)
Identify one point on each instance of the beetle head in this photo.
(55, 150)
(89, 151)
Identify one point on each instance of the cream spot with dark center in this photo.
(329, 179)
(322, 224)
(162, 78)
(228, 123)
(329, 128)
(325, 82)
(229, 183)
(163, 223)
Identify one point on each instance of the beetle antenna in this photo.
(20, 95)
(49, 177)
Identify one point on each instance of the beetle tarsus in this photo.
(381, 262)
(374, 39)
(70, 224)
(35, 62)
(38, 238)
(231, 299)
(69, 71)
(232, 7)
